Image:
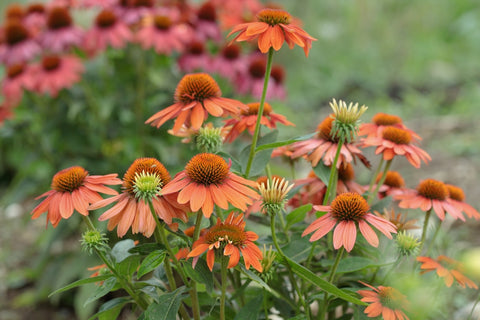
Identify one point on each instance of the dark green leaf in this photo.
(283, 143)
(201, 273)
(80, 283)
(111, 309)
(251, 309)
(236, 166)
(146, 248)
(298, 215)
(322, 172)
(168, 306)
(298, 249)
(102, 290)
(258, 280)
(309, 276)
(382, 204)
(129, 265)
(261, 159)
(121, 248)
(351, 264)
(153, 260)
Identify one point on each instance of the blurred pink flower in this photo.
(61, 33)
(19, 46)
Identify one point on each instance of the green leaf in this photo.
(111, 309)
(80, 283)
(102, 290)
(121, 248)
(236, 166)
(261, 159)
(283, 143)
(258, 280)
(298, 215)
(309, 276)
(201, 273)
(153, 260)
(298, 249)
(128, 266)
(168, 306)
(382, 204)
(251, 309)
(146, 248)
(322, 172)
(352, 264)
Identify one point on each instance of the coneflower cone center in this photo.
(68, 180)
(143, 3)
(433, 189)
(105, 19)
(397, 135)
(15, 70)
(349, 206)
(207, 169)
(36, 8)
(226, 233)
(14, 11)
(196, 87)
(15, 33)
(50, 63)
(392, 179)
(207, 12)
(231, 52)
(325, 129)
(144, 166)
(390, 298)
(383, 119)
(257, 68)
(253, 109)
(196, 48)
(278, 74)
(162, 22)
(456, 193)
(274, 16)
(59, 18)
(346, 173)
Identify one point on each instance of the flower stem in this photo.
(470, 317)
(332, 187)
(371, 196)
(224, 287)
(193, 290)
(260, 112)
(126, 285)
(424, 230)
(374, 177)
(290, 273)
(432, 242)
(323, 311)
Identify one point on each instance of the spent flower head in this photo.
(346, 122)
(209, 139)
(94, 240)
(407, 244)
(274, 194)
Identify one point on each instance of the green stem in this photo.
(193, 290)
(424, 230)
(473, 308)
(290, 273)
(198, 222)
(323, 311)
(126, 285)
(432, 242)
(331, 188)
(260, 112)
(371, 196)
(223, 271)
(374, 176)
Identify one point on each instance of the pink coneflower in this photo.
(430, 194)
(35, 18)
(229, 63)
(14, 11)
(381, 120)
(162, 32)
(383, 301)
(346, 180)
(393, 141)
(248, 119)
(251, 82)
(448, 269)
(61, 33)
(73, 189)
(55, 73)
(132, 11)
(208, 181)
(97, 3)
(206, 25)
(346, 212)
(457, 198)
(132, 209)
(19, 46)
(196, 96)
(107, 31)
(17, 78)
(312, 190)
(195, 57)
(324, 146)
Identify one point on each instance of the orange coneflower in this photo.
(325, 145)
(248, 120)
(273, 28)
(381, 120)
(446, 268)
(73, 189)
(457, 198)
(346, 180)
(393, 141)
(229, 238)
(347, 211)
(196, 96)
(207, 181)
(393, 184)
(385, 301)
(132, 208)
(430, 194)
(398, 219)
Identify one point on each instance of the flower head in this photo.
(274, 193)
(273, 28)
(430, 194)
(61, 33)
(248, 119)
(457, 198)
(142, 184)
(229, 238)
(407, 244)
(73, 189)
(94, 240)
(207, 181)
(19, 45)
(385, 301)
(196, 96)
(346, 119)
(346, 212)
(448, 269)
(398, 219)
(381, 120)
